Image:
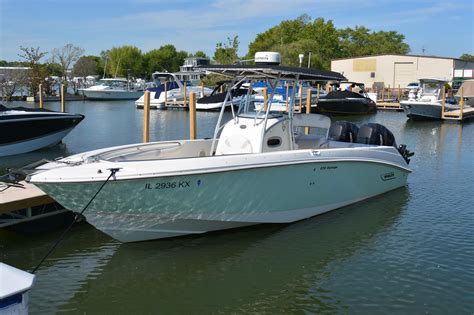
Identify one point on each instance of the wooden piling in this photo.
(63, 105)
(265, 99)
(41, 95)
(185, 96)
(461, 103)
(442, 103)
(388, 91)
(146, 117)
(192, 116)
(301, 97)
(287, 91)
(308, 108)
(399, 93)
(166, 94)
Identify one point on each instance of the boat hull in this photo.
(346, 106)
(422, 111)
(153, 208)
(111, 94)
(27, 133)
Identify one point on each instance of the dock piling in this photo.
(265, 99)
(443, 98)
(192, 116)
(63, 105)
(146, 117)
(308, 108)
(41, 95)
(461, 103)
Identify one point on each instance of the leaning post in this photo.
(63, 105)
(41, 95)
(146, 117)
(192, 116)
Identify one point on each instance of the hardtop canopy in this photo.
(273, 71)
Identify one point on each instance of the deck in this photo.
(459, 115)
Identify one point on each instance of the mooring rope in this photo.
(112, 173)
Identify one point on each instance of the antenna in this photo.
(423, 50)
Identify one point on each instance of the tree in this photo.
(66, 57)
(86, 65)
(32, 56)
(11, 80)
(467, 57)
(227, 53)
(166, 58)
(124, 61)
(199, 54)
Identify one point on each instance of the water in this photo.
(411, 250)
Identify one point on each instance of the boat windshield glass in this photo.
(430, 88)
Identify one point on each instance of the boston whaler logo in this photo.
(388, 176)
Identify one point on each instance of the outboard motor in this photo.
(376, 134)
(379, 135)
(343, 131)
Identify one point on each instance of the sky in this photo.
(441, 28)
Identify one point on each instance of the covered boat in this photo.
(347, 98)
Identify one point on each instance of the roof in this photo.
(379, 55)
(262, 71)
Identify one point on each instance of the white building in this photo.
(187, 71)
(400, 70)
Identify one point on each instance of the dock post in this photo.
(265, 99)
(461, 103)
(442, 103)
(185, 96)
(301, 97)
(166, 93)
(63, 106)
(192, 116)
(399, 94)
(287, 91)
(41, 95)
(388, 92)
(146, 117)
(308, 108)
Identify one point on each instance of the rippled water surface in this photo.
(408, 251)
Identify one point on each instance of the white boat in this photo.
(427, 103)
(216, 99)
(170, 89)
(260, 167)
(24, 130)
(466, 90)
(113, 89)
(14, 287)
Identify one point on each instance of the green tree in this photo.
(227, 53)
(199, 54)
(123, 61)
(467, 57)
(86, 65)
(165, 58)
(32, 57)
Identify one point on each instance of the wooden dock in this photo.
(169, 105)
(393, 106)
(459, 115)
(25, 202)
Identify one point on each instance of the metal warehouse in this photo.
(399, 70)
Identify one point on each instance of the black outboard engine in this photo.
(343, 131)
(379, 135)
(376, 134)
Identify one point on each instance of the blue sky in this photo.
(443, 28)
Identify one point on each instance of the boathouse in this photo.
(394, 70)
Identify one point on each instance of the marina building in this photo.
(395, 70)
(187, 71)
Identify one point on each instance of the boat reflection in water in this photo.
(244, 269)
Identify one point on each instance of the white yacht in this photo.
(14, 290)
(259, 167)
(113, 89)
(169, 88)
(426, 104)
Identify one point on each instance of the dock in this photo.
(25, 202)
(169, 105)
(392, 106)
(459, 114)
